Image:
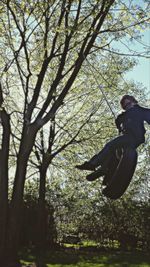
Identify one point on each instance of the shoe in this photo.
(85, 166)
(94, 175)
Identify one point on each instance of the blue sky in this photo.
(141, 72)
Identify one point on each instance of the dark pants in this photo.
(104, 156)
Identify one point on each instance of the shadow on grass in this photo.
(74, 258)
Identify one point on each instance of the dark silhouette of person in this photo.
(130, 125)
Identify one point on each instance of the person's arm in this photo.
(147, 115)
(118, 122)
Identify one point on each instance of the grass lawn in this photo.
(72, 258)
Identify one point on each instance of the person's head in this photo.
(128, 101)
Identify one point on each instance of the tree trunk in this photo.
(15, 216)
(4, 156)
(42, 223)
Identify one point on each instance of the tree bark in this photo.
(45, 223)
(4, 156)
(15, 211)
(42, 223)
(15, 215)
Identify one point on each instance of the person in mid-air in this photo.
(132, 133)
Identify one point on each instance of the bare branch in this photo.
(85, 49)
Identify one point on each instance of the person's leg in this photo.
(104, 156)
(86, 166)
(95, 175)
(97, 159)
(105, 169)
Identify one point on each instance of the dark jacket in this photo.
(132, 122)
